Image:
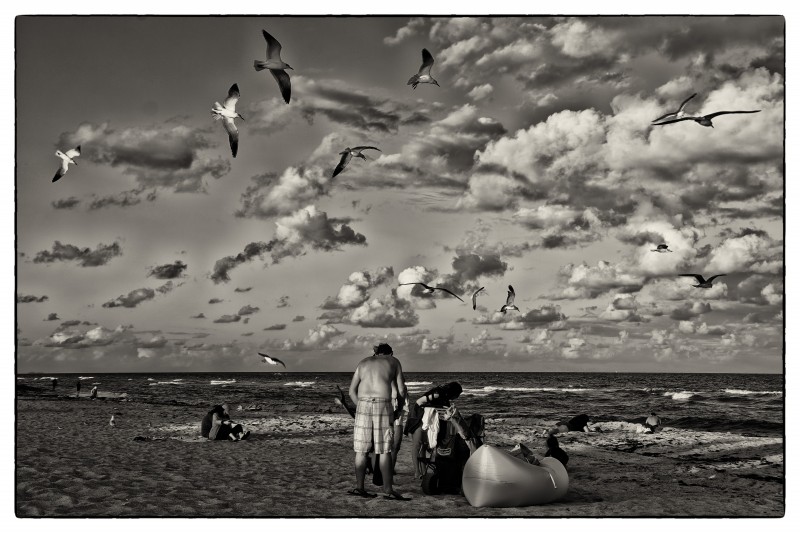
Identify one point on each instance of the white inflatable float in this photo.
(494, 478)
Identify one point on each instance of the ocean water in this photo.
(746, 404)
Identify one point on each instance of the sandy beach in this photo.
(70, 462)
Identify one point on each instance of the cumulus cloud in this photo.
(169, 155)
(77, 339)
(123, 199)
(275, 327)
(227, 319)
(623, 308)
(245, 289)
(216, 301)
(86, 257)
(278, 195)
(543, 315)
(479, 92)
(248, 310)
(321, 337)
(298, 318)
(199, 315)
(747, 252)
(168, 271)
(404, 32)
(66, 203)
(389, 311)
(226, 264)
(137, 296)
(52, 316)
(356, 291)
(283, 301)
(690, 310)
(584, 281)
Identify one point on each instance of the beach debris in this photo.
(424, 74)
(227, 113)
(271, 360)
(350, 153)
(427, 289)
(276, 66)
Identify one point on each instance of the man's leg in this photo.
(361, 468)
(398, 440)
(386, 471)
(416, 447)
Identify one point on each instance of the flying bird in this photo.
(227, 113)
(475, 298)
(350, 153)
(66, 159)
(702, 283)
(271, 360)
(705, 120)
(509, 301)
(424, 74)
(679, 113)
(428, 289)
(276, 65)
(662, 249)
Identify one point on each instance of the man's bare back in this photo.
(378, 376)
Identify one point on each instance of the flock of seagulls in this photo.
(227, 114)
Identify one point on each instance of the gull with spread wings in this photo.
(272, 360)
(424, 74)
(227, 114)
(702, 283)
(509, 301)
(429, 290)
(705, 120)
(350, 153)
(276, 66)
(475, 298)
(66, 159)
(677, 114)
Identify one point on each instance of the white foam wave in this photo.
(298, 384)
(418, 383)
(45, 377)
(222, 381)
(683, 395)
(748, 392)
(173, 382)
(491, 388)
(85, 377)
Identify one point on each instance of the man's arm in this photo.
(354, 385)
(400, 382)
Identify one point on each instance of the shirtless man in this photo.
(376, 382)
(653, 423)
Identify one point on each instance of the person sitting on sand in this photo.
(93, 394)
(577, 423)
(438, 397)
(221, 427)
(377, 380)
(554, 450)
(653, 423)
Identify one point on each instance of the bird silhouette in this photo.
(276, 66)
(702, 283)
(227, 113)
(705, 120)
(679, 113)
(428, 289)
(271, 360)
(475, 298)
(662, 249)
(509, 301)
(424, 74)
(350, 153)
(66, 159)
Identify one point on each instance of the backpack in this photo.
(451, 455)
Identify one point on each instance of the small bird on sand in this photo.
(424, 74)
(112, 422)
(509, 301)
(705, 120)
(662, 249)
(350, 153)
(271, 360)
(276, 66)
(679, 113)
(428, 289)
(66, 159)
(475, 298)
(227, 113)
(702, 282)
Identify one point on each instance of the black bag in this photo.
(448, 464)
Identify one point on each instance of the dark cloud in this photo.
(137, 296)
(70, 323)
(689, 311)
(199, 315)
(226, 319)
(298, 318)
(28, 298)
(85, 256)
(168, 271)
(52, 316)
(66, 203)
(122, 199)
(224, 265)
(246, 289)
(275, 327)
(215, 301)
(167, 155)
(544, 315)
(248, 310)
(283, 301)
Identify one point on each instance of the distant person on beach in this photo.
(576, 423)
(653, 423)
(93, 394)
(554, 450)
(438, 397)
(217, 425)
(78, 386)
(378, 380)
(54, 381)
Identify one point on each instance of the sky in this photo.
(534, 164)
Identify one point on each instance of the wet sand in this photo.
(70, 462)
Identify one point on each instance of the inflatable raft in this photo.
(494, 478)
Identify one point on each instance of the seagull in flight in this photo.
(66, 159)
(428, 289)
(702, 283)
(271, 360)
(679, 113)
(509, 301)
(705, 120)
(227, 113)
(424, 74)
(475, 298)
(276, 66)
(350, 153)
(662, 249)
